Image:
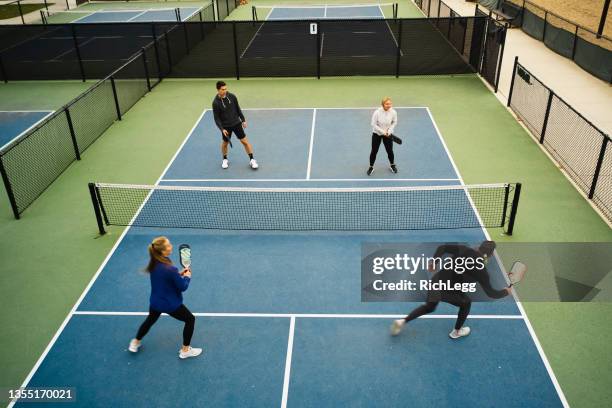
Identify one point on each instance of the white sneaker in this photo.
(192, 352)
(134, 346)
(225, 164)
(462, 332)
(397, 326)
(254, 164)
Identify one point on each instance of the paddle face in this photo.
(185, 255)
(396, 139)
(517, 272)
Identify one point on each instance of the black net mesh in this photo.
(529, 100)
(495, 38)
(306, 209)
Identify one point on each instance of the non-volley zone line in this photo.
(307, 179)
(306, 315)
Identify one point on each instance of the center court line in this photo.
(306, 315)
(532, 333)
(288, 363)
(312, 133)
(100, 269)
(312, 179)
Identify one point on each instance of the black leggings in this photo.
(182, 313)
(461, 300)
(376, 139)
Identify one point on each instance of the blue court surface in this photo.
(325, 11)
(15, 123)
(279, 314)
(116, 16)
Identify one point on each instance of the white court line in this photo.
(532, 333)
(325, 12)
(137, 15)
(308, 179)
(322, 41)
(95, 277)
(57, 57)
(306, 315)
(288, 363)
(312, 132)
(24, 111)
(335, 108)
(10, 142)
(252, 39)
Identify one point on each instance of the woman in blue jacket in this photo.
(167, 287)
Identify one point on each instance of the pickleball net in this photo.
(306, 209)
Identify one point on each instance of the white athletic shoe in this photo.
(225, 164)
(192, 352)
(462, 332)
(254, 164)
(134, 346)
(397, 326)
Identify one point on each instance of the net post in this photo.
(9, 190)
(146, 68)
(501, 57)
(602, 153)
(399, 50)
(546, 115)
(237, 62)
(96, 206)
(514, 68)
(513, 211)
(505, 209)
(78, 51)
(75, 144)
(112, 78)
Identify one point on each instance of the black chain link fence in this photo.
(580, 148)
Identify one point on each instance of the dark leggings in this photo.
(182, 313)
(376, 139)
(460, 300)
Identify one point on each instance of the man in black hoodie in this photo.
(456, 298)
(229, 119)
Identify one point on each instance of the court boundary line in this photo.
(74, 308)
(137, 15)
(335, 108)
(310, 145)
(48, 113)
(307, 179)
(288, 362)
(308, 315)
(519, 305)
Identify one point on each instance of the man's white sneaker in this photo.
(225, 164)
(192, 352)
(254, 164)
(134, 346)
(397, 326)
(462, 332)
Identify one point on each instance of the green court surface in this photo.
(54, 250)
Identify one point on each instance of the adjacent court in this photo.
(15, 123)
(279, 314)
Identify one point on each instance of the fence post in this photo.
(546, 115)
(463, 42)
(575, 42)
(512, 80)
(78, 51)
(169, 51)
(186, 37)
(46, 6)
(116, 97)
(215, 16)
(399, 50)
(3, 71)
(156, 46)
(72, 134)
(20, 12)
(602, 154)
(483, 54)
(428, 8)
(439, 5)
(94, 200)
(514, 210)
(146, 69)
(237, 62)
(501, 57)
(545, 24)
(9, 190)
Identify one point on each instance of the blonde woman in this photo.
(384, 120)
(167, 287)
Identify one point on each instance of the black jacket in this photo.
(227, 111)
